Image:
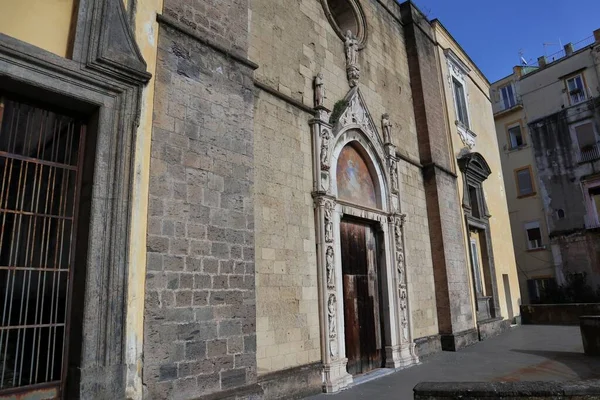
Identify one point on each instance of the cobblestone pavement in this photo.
(525, 353)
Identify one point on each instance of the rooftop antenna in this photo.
(523, 60)
(546, 44)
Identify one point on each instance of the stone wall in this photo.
(199, 333)
(418, 251)
(287, 321)
(454, 310)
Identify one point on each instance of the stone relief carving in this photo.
(352, 68)
(319, 90)
(357, 114)
(398, 221)
(331, 310)
(404, 312)
(466, 136)
(328, 221)
(325, 140)
(330, 267)
(386, 127)
(394, 175)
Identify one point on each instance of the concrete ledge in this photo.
(293, 383)
(459, 340)
(492, 327)
(507, 390)
(557, 314)
(428, 345)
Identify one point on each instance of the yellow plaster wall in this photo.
(531, 264)
(43, 23)
(292, 42)
(482, 123)
(146, 34)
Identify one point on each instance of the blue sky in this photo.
(493, 31)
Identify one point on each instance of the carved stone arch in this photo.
(354, 114)
(357, 139)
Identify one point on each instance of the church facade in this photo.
(262, 200)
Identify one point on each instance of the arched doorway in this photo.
(365, 315)
(362, 283)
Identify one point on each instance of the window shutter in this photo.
(524, 180)
(585, 135)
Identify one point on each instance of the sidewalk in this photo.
(525, 353)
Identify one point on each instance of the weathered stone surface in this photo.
(199, 300)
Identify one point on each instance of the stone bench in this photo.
(590, 334)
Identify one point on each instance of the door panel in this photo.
(362, 321)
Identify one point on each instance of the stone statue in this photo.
(319, 90)
(386, 126)
(330, 267)
(328, 222)
(352, 68)
(404, 311)
(325, 138)
(394, 176)
(351, 46)
(331, 305)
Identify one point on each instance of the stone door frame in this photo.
(355, 126)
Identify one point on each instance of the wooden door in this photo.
(362, 313)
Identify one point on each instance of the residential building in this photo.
(548, 143)
(241, 199)
(527, 216)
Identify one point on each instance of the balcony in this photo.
(502, 106)
(588, 153)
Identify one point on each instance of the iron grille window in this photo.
(40, 160)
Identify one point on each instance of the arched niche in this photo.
(346, 15)
(353, 146)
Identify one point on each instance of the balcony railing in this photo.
(501, 106)
(589, 153)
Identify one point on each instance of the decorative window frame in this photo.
(361, 20)
(458, 70)
(104, 79)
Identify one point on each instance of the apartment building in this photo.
(547, 127)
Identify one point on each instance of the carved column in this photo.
(333, 352)
(401, 353)
(322, 139)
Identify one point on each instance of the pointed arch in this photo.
(374, 164)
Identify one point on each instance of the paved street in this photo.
(526, 353)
